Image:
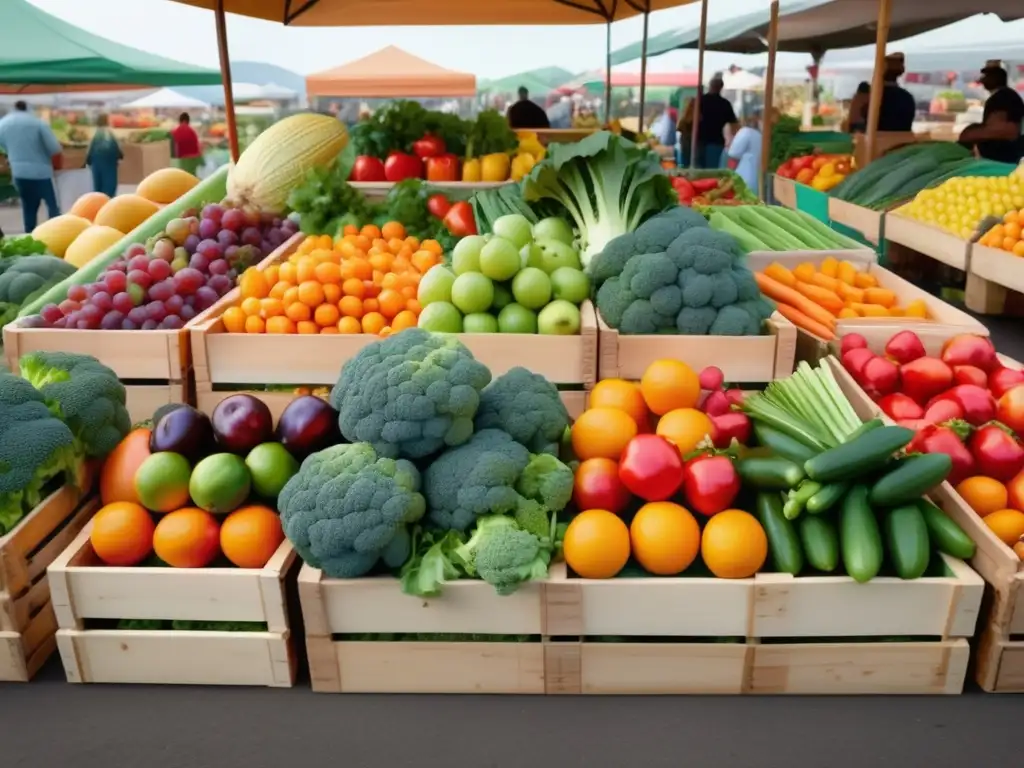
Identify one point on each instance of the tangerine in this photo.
(249, 536)
(669, 384)
(596, 544)
(734, 545)
(122, 533)
(187, 538)
(1006, 524)
(983, 494)
(665, 538)
(685, 428)
(602, 433)
(621, 394)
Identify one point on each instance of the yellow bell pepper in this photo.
(521, 165)
(471, 170)
(531, 146)
(495, 167)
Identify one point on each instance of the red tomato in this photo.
(1010, 410)
(710, 484)
(996, 453)
(651, 467)
(925, 377)
(970, 374)
(1002, 380)
(970, 349)
(905, 347)
(597, 486)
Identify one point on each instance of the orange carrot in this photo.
(882, 296)
(800, 320)
(847, 272)
(846, 313)
(804, 271)
(865, 280)
(822, 296)
(870, 310)
(826, 282)
(848, 293)
(830, 266)
(782, 294)
(778, 272)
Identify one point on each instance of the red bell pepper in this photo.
(438, 206)
(400, 166)
(683, 188)
(443, 168)
(651, 468)
(704, 185)
(429, 146)
(368, 168)
(710, 483)
(460, 220)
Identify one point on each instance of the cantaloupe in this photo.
(91, 243)
(59, 232)
(279, 158)
(125, 212)
(166, 185)
(89, 204)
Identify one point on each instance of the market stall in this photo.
(390, 73)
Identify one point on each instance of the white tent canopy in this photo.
(165, 98)
(741, 80)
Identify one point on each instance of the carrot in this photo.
(800, 320)
(826, 282)
(848, 293)
(847, 272)
(846, 313)
(882, 296)
(830, 266)
(870, 310)
(783, 294)
(865, 280)
(804, 271)
(821, 296)
(778, 272)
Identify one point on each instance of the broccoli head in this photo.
(528, 407)
(492, 474)
(84, 393)
(647, 272)
(348, 508)
(610, 261)
(411, 394)
(504, 555)
(659, 232)
(37, 450)
(26, 278)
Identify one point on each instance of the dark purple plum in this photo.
(241, 422)
(309, 424)
(185, 430)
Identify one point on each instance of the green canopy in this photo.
(39, 53)
(536, 81)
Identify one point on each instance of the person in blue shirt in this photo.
(31, 147)
(744, 153)
(104, 155)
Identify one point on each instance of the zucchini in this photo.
(912, 478)
(826, 498)
(859, 537)
(783, 542)
(747, 240)
(776, 238)
(782, 444)
(790, 222)
(859, 456)
(906, 535)
(820, 542)
(945, 534)
(837, 240)
(770, 474)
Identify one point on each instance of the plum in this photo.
(183, 430)
(309, 424)
(241, 422)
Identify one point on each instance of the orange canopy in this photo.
(390, 73)
(375, 13)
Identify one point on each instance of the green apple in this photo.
(559, 318)
(514, 227)
(557, 254)
(441, 317)
(568, 284)
(530, 255)
(480, 322)
(515, 318)
(499, 259)
(532, 288)
(466, 254)
(502, 297)
(436, 285)
(553, 228)
(472, 292)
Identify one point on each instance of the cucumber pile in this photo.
(774, 228)
(835, 494)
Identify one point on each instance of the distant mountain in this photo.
(254, 72)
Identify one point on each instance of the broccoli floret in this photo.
(696, 321)
(348, 508)
(489, 475)
(610, 261)
(504, 555)
(733, 321)
(746, 285)
(527, 406)
(639, 318)
(647, 272)
(433, 562)
(411, 394)
(697, 288)
(680, 253)
(26, 278)
(37, 450)
(658, 232)
(613, 299)
(85, 394)
(723, 290)
(667, 301)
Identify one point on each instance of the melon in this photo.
(91, 243)
(59, 232)
(166, 185)
(125, 212)
(89, 204)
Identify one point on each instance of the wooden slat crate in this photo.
(784, 191)
(27, 622)
(863, 220)
(84, 589)
(992, 273)
(928, 240)
(743, 359)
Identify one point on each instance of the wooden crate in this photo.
(741, 358)
(140, 160)
(863, 220)
(992, 273)
(784, 191)
(340, 607)
(83, 589)
(928, 240)
(27, 622)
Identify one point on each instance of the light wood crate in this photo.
(992, 273)
(27, 622)
(82, 588)
(867, 222)
(743, 359)
(333, 607)
(784, 191)
(928, 240)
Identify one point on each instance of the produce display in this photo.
(26, 272)
(964, 405)
(701, 188)
(776, 228)
(1007, 235)
(961, 204)
(814, 297)
(822, 172)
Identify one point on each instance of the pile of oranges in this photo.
(365, 282)
(1008, 235)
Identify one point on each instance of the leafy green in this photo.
(14, 247)
(326, 202)
(490, 133)
(395, 126)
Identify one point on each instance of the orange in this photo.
(404, 319)
(433, 246)
(253, 283)
(290, 296)
(734, 545)
(361, 268)
(685, 427)
(371, 305)
(354, 287)
(331, 329)
(669, 384)
(234, 319)
(1011, 216)
(187, 538)
(1006, 524)
(305, 269)
(1015, 492)
(117, 478)
(270, 274)
(311, 293)
(288, 273)
(325, 242)
(349, 324)
(1018, 549)
(271, 307)
(251, 306)
(1018, 249)
(350, 229)
(122, 533)
(621, 394)
(393, 230)
(423, 260)
(385, 332)
(332, 293)
(280, 289)
(254, 324)
(596, 544)
(1012, 229)
(665, 538)
(381, 261)
(983, 494)
(326, 314)
(373, 322)
(249, 536)
(297, 312)
(413, 305)
(307, 327)
(1009, 243)
(351, 306)
(328, 273)
(391, 303)
(280, 324)
(602, 433)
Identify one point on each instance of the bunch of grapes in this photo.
(194, 262)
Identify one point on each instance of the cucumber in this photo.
(906, 535)
(788, 221)
(859, 537)
(770, 474)
(782, 444)
(772, 235)
(837, 240)
(912, 478)
(783, 542)
(945, 534)
(797, 498)
(854, 458)
(826, 498)
(820, 542)
(747, 240)
(864, 428)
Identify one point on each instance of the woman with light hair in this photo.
(103, 158)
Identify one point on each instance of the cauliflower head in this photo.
(528, 407)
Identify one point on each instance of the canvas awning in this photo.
(390, 73)
(39, 53)
(165, 98)
(536, 81)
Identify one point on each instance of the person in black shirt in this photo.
(525, 114)
(898, 109)
(716, 112)
(857, 120)
(998, 136)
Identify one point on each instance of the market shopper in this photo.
(187, 153)
(716, 113)
(857, 119)
(998, 136)
(525, 114)
(33, 152)
(103, 158)
(744, 153)
(898, 109)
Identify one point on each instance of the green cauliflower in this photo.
(26, 278)
(505, 555)
(37, 450)
(348, 508)
(492, 474)
(528, 407)
(85, 394)
(411, 394)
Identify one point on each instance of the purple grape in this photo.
(208, 228)
(68, 306)
(149, 325)
(112, 321)
(275, 237)
(155, 310)
(90, 312)
(159, 269)
(33, 321)
(93, 288)
(115, 282)
(210, 249)
(192, 242)
(188, 301)
(251, 236)
(193, 224)
(128, 325)
(188, 281)
(162, 291)
(233, 219)
(135, 249)
(206, 297)
(172, 322)
(51, 314)
(102, 300)
(289, 227)
(140, 263)
(276, 221)
(84, 325)
(174, 304)
(164, 249)
(122, 302)
(213, 212)
(226, 237)
(218, 267)
(187, 313)
(231, 252)
(221, 284)
(61, 323)
(139, 314)
(140, 278)
(77, 293)
(199, 261)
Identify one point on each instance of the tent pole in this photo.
(608, 73)
(643, 70)
(700, 81)
(877, 78)
(225, 73)
(769, 100)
